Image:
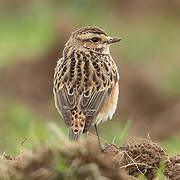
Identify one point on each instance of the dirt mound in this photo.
(140, 158)
(173, 168)
(85, 160)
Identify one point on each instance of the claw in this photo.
(104, 147)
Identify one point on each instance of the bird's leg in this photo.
(101, 146)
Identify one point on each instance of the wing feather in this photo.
(93, 105)
(65, 103)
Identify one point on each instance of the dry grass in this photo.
(84, 160)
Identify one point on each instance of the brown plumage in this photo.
(86, 80)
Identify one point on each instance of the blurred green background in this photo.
(32, 37)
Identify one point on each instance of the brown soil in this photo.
(85, 160)
(173, 167)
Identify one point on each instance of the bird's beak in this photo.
(113, 40)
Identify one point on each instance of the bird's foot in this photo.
(103, 148)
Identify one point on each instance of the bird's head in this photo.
(91, 38)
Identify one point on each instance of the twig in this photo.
(22, 143)
(134, 163)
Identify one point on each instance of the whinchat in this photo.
(86, 81)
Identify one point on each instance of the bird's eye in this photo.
(95, 39)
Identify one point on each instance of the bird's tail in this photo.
(74, 136)
(78, 124)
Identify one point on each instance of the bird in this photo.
(85, 85)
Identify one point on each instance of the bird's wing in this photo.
(90, 105)
(93, 104)
(65, 102)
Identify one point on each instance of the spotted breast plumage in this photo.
(86, 81)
